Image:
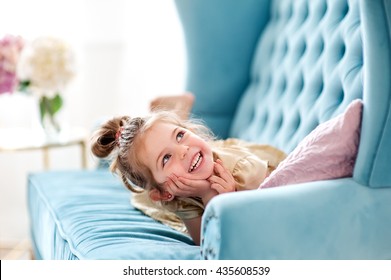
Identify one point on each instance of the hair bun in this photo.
(104, 139)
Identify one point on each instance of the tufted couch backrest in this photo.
(270, 71)
(307, 68)
(312, 60)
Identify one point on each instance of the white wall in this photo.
(127, 51)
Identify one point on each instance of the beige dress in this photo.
(249, 164)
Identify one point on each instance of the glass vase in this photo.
(50, 111)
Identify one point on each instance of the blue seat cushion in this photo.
(88, 215)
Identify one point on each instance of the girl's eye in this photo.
(165, 159)
(180, 135)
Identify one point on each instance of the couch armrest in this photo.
(336, 219)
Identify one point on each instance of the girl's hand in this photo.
(222, 181)
(183, 187)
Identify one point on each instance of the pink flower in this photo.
(10, 49)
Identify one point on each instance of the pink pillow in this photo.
(328, 152)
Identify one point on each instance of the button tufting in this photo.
(284, 47)
(321, 45)
(289, 11)
(342, 50)
(341, 96)
(300, 83)
(297, 121)
(303, 11)
(282, 85)
(345, 9)
(263, 118)
(322, 9)
(300, 48)
(321, 86)
(315, 59)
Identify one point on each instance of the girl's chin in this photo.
(202, 175)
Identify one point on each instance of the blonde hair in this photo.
(117, 139)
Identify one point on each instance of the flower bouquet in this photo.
(10, 49)
(46, 67)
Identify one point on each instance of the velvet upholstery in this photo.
(220, 37)
(336, 219)
(87, 215)
(267, 71)
(311, 60)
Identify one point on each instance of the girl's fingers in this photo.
(176, 187)
(223, 181)
(181, 185)
(196, 187)
(185, 187)
(186, 182)
(171, 187)
(192, 184)
(189, 187)
(221, 170)
(176, 181)
(217, 180)
(216, 187)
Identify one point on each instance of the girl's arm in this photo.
(181, 104)
(222, 182)
(194, 228)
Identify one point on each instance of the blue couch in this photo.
(268, 72)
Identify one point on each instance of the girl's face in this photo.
(170, 149)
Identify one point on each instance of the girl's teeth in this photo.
(196, 162)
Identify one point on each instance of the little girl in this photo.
(174, 166)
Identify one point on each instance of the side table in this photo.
(25, 139)
(28, 139)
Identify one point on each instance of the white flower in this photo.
(48, 63)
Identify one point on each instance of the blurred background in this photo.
(126, 53)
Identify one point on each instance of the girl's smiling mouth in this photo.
(195, 163)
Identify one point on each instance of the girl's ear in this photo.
(157, 195)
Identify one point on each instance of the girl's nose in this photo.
(183, 151)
